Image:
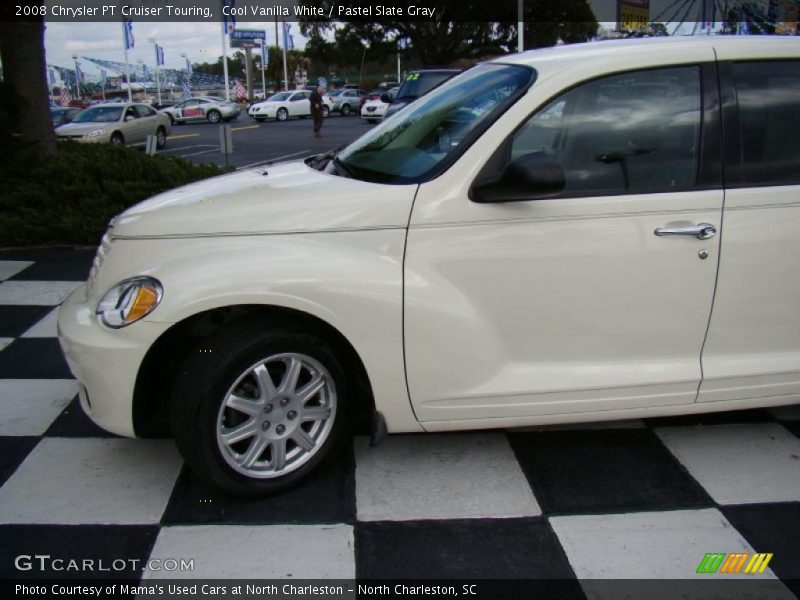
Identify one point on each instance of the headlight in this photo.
(96, 132)
(129, 301)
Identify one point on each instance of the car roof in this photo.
(600, 50)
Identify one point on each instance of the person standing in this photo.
(316, 109)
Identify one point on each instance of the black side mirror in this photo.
(386, 98)
(531, 176)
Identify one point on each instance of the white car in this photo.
(202, 108)
(374, 109)
(283, 105)
(589, 232)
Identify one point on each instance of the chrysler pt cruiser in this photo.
(591, 232)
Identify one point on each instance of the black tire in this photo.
(345, 110)
(259, 119)
(282, 114)
(117, 139)
(214, 116)
(212, 369)
(161, 138)
(372, 121)
(325, 112)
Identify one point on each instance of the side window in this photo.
(635, 132)
(144, 111)
(768, 95)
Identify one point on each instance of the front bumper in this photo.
(263, 113)
(105, 361)
(98, 139)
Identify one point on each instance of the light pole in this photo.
(520, 27)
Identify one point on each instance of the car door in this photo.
(300, 104)
(133, 125)
(192, 110)
(753, 344)
(593, 299)
(148, 119)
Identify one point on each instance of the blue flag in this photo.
(288, 39)
(228, 22)
(128, 30)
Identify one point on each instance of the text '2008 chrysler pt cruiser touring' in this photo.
(591, 232)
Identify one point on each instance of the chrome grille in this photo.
(99, 257)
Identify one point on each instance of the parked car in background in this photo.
(63, 114)
(117, 123)
(203, 108)
(283, 105)
(344, 100)
(537, 241)
(375, 107)
(418, 83)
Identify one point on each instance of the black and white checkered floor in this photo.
(615, 501)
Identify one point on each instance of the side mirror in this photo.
(129, 118)
(386, 98)
(531, 176)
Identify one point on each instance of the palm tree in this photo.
(25, 99)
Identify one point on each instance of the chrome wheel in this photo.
(276, 416)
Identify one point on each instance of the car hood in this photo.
(283, 198)
(81, 128)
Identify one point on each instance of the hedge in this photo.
(69, 199)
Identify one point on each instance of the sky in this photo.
(200, 41)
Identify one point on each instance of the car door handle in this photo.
(702, 231)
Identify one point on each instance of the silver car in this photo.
(345, 101)
(203, 108)
(117, 123)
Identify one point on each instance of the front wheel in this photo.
(325, 112)
(117, 139)
(259, 406)
(161, 138)
(282, 114)
(214, 116)
(345, 110)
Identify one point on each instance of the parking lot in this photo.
(255, 143)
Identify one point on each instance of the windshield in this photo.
(58, 114)
(280, 97)
(99, 114)
(436, 129)
(419, 84)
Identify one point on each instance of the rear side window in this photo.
(636, 132)
(768, 96)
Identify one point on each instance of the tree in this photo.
(25, 104)
(456, 33)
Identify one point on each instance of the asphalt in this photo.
(255, 143)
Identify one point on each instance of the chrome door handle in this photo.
(702, 231)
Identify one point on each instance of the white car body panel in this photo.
(523, 313)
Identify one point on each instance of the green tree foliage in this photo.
(451, 37)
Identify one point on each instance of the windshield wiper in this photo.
(342, 168)
(319, 161)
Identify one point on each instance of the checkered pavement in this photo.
(634, 499)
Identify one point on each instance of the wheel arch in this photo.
(158, 370)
